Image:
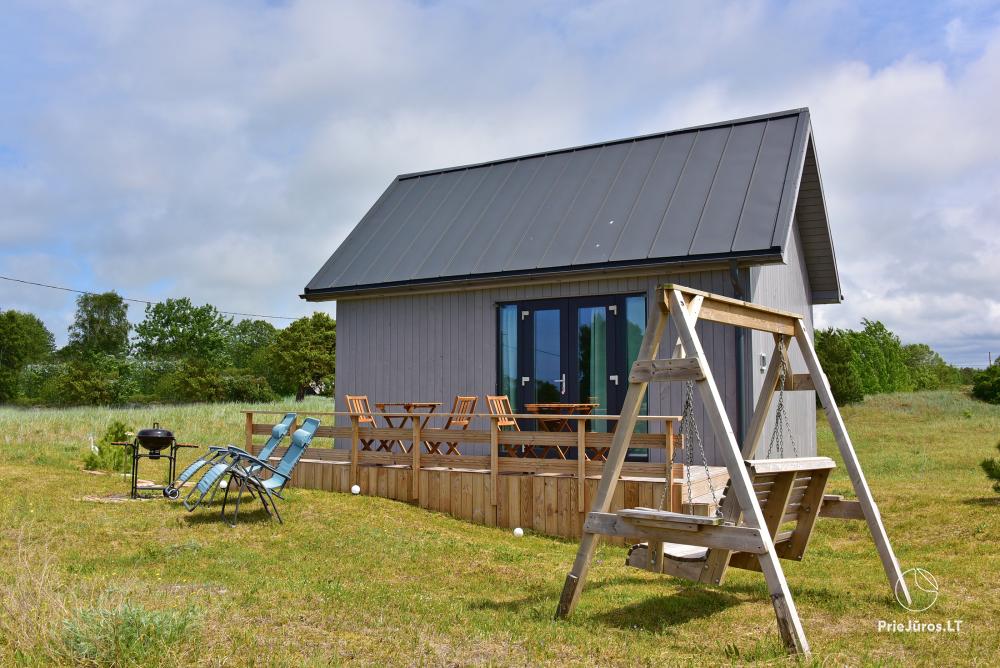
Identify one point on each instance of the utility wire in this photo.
(137, 301)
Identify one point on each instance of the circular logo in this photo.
(923, 588)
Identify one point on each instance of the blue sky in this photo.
(221, 151)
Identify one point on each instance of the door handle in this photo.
(562, 385)
(525, 380)
(613, 378)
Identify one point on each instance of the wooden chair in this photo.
(358, 405)
(460, 419)
(500, 405)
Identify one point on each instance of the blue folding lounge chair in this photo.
(251, 474)
(221, 459)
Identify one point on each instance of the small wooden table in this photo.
(558, 417)
(418, 410)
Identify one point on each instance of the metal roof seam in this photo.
(428, 219)
(638, 196)
(793, 173)
(513, 206)
(399, 229)
(364, 244)
(746, 194)
(673, 193)
(541, 206)
(604, 200)
(458, 213)
(711, 187)
(473, 226)
(572, 203)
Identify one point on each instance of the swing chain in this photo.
(781, 421)
(692, 439)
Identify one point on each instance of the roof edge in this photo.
(768, 256)
(611, 142)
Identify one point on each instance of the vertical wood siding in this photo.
(432, 347)
(786, 287)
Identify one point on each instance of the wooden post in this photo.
(415, 450)
(581, 464)
(718, 560)
(789, 624)
(248, 432)
(889, 562)
(355, 442)
(613, 466)
(494, 459)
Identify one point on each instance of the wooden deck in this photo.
(550, 496)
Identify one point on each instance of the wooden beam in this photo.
(799, 382)
(693, 308)
(743, 539)
(683, 368)
(839, 508)
(889, 562)
(789, 624)
(613, 466)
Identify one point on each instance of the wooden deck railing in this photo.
(579, 453)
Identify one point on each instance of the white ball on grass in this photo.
(355, 489)
(518, 532)
(224, 484)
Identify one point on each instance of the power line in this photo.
(137, 301)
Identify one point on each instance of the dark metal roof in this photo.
(722, 191)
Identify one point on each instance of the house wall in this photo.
(432, 347)
(785, 286)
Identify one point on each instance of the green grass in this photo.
(358, 580)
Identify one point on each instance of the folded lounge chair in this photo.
(251, 474)
(220, 459)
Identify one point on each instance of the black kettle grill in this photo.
(155, 443)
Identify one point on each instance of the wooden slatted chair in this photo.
(500, 405)
(460, 419)
(790, 492)
(358, 405)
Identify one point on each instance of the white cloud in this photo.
(237, 144)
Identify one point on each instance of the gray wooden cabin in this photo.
(530, 276)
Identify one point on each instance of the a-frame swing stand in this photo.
(744, 532)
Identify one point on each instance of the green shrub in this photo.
(247, 388)
(93, 380)
(128, 635)
(986, 385)
(107, 457)
(192, 381)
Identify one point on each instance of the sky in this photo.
(222, 150)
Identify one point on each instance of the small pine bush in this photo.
(992, 469)
(107, 457)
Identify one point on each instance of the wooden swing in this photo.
(769, 507)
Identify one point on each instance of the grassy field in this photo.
(355, 580)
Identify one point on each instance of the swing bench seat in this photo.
(790, 493)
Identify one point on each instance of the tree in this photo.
(879, 362)
(24, 340)
(100, 326)
(986, 386)
(248, 340)
(175, 329)
(303, 356)
(928, 370)
(833, 347)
